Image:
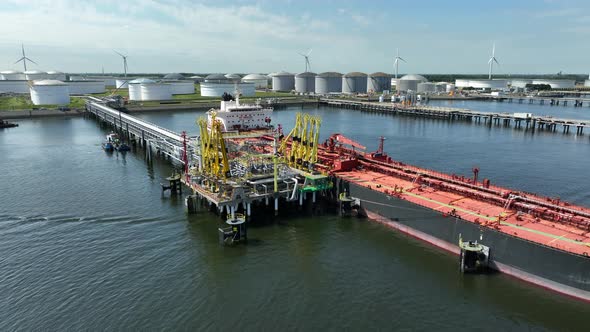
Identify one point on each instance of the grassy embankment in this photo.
(24, 101)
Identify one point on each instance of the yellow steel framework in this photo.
(213, 151)
(304, 138)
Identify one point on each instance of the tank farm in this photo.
(541, 240)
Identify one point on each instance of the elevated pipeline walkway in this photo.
(518, 120)
(177, 146)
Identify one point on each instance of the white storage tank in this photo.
(12, 75)
(305, 82)
(557, 84)
(378, 82)
(77, 78)
(406, 85)
(56, 75)
(212, 89)
(155, 91)
(233, 77)
(354, 82)
(32, 75)
(108, 80)
(173, 76)
(426, 87)
(135, 87)
(197, 79)
(283, 81)
(450, 87)
(260, 81)
(14, 86)
(587, 83)
(520, 82)
(86, 87)
(181, 87)
(328, 82)
(50, 92)
(462, 83)
(122, 83)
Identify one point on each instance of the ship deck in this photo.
(453, 204)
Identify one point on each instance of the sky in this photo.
(161, 36)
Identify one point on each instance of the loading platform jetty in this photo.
(525, 121)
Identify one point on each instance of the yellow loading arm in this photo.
(213, 149)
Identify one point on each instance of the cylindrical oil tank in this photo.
(135, 87)
(354, 82)
(426, 87)
(50, 92)
(197, 79)
(56, 75)
(86, 87)
(12, 75)
(155, 91)
(181, 87)
(407, 85)
(14, 86)
(122, 83)
(378, 82)
(328, 82)
(234, 77)
(211, 89)
(462, 83)
(520, 82)
(440, 87)
(283, 81)
(32, 75)
(587, 83)
(557, 84)
(305, 82)
(260, 81)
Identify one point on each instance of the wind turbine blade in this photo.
(491, 59)
(303, 55)
(119, 53)
(310, 50)
(31, 60)
(403, 60)
(496, 61)
(494, 49)
(19, 60)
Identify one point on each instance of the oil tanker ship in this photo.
(538, 239)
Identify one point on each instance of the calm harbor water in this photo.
(89, 241)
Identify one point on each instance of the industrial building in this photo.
(354, 82)
(32, 75)
(440, 87)
(378, 82)
(305, 82)
(135, 87)
(12, 75)
(155, 91)
(14, 86)
(328, 82)
(283, 81)
(50, 92)
(410, 82)
(260, 81)
(587, 83)
(557, 84)
(85, 87)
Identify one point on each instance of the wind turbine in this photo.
(396, 62)
(124, 62)
(24, 58)
(492, 60)
(306, 56)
